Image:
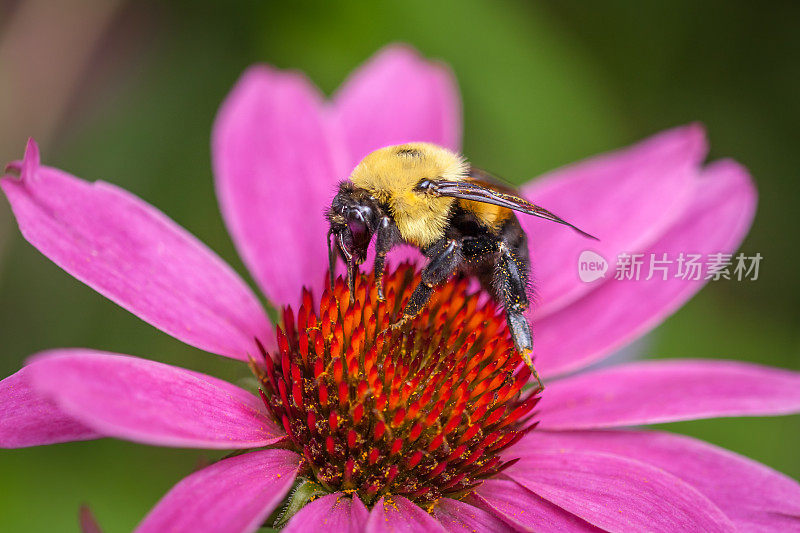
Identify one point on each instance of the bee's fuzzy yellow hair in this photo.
(391, 173)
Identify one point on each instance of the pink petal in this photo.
(397, 515)
(456, 515)
(144, 401)
(279, 150)
(235, 495)
(627, 199)
(31, 419)
(617, 494)
(275, 172)
(334, 512)
(665, 391)
(753, 496)
(134, 255)
(397, 97)
(617, 312)
(524, 510)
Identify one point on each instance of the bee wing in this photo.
(491, 181)
(478, 192)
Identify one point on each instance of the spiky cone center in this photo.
(422, 411)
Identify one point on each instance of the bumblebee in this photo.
(461, 218)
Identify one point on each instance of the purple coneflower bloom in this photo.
(438, 435)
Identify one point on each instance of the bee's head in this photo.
(353, 218)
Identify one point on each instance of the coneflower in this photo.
(423, 412)
(427, 428)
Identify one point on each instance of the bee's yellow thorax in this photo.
(392, 173)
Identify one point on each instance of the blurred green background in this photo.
(127, 92)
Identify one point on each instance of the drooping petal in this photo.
(652, 392)
(456, 515)
(397, 97)
(145, 401)
(30, 419)
(235, 495)
(134, 255)
(627, 199)
(398, 515)
(753, 496)
(88, 522)
(334, 512)
(275, 172)
(618, 494)
(524, 510)
(619, 311)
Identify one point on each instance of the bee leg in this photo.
(511, 288)
(523, 341)
(444, 257)
(380, 266)
(332, 253)
(386, 237)
(352, 272)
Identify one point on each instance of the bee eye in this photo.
(359, 238)
(357, 228)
